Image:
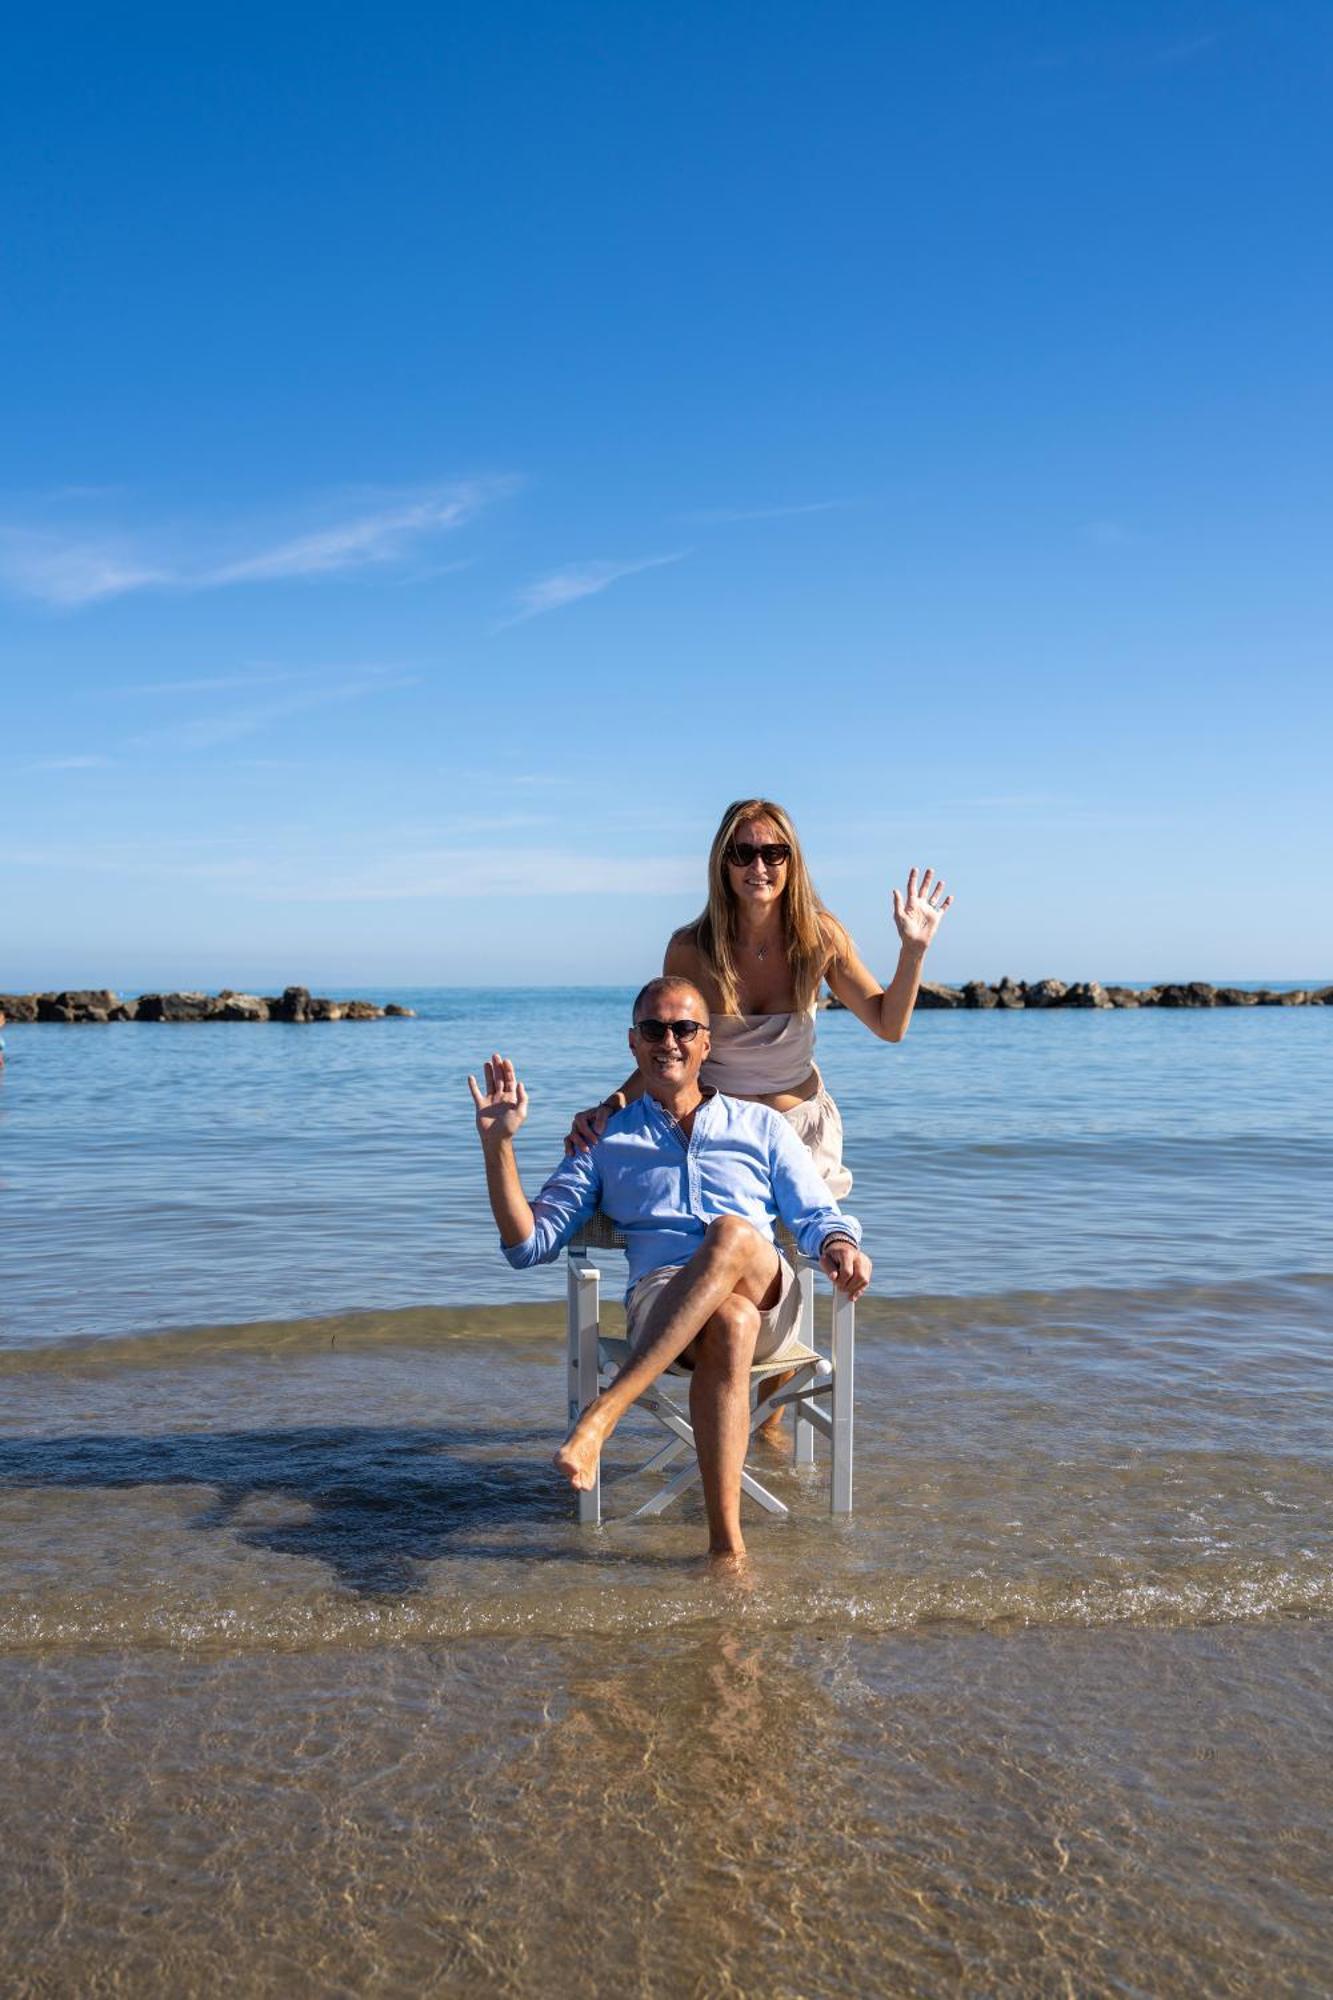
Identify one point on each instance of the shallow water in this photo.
(310, 1684)
(718, 1811)
(1078, 1459)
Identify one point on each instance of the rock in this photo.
(173, 1007)
(1298, 998)
(233, 1006)
(100, 1004)
(976, 993)
(1009, 993)
(293, 1006)
(80, 1004)
(1323, 998)
(1044, 993)
(1236, 996)
(1265, 997)
(396, 1013)
(1124, 996)
(98, 1000)
(931, 995)
(1196, 994)
(1087, 993)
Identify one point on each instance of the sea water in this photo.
(310, 1683)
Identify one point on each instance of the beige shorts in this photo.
(779, 1327)
(818, 1125)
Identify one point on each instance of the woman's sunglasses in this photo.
(657, 1031)
(742, 852)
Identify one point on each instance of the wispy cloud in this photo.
(210, 732)
(214, 684)
(1184, 51)
(1127, 55)
(383, 866)
(724, 517)
(181, 860)
(384, 535)
(406, 875)
(91, 763)
(74, 567)
(71, 572)
(1109, 535)
(567, 586)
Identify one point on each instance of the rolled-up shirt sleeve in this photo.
(569, 1199)
(803, 1201)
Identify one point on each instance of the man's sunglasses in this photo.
(657, 1031)
(742, 852)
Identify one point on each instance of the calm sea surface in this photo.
(309, 1684)
(160, 1176)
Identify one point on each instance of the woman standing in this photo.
(759, 953)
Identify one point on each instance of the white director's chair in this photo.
(820, 1392)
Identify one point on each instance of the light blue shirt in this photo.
(742, 1159)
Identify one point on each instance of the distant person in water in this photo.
(696, 1180)
(759, 952)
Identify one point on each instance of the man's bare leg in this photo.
(720, 1414)
(771, 1428)
(733, 1257)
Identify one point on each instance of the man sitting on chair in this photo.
(694, 1180)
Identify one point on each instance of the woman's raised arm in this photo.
(886, 1010)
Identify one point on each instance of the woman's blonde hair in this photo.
(806, 936)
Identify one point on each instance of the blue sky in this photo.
(450, 452)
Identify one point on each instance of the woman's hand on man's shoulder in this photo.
(588, 1126)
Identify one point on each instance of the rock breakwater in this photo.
(99, 1004)
(1045, 993)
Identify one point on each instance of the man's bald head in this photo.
(647, 1000)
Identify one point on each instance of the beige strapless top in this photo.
(760, 1055)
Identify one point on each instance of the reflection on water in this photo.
(713, 1812)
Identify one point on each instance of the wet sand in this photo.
(718, 1811)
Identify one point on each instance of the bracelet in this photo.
(838, 1236)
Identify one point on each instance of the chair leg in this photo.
(583, 1283)
(844, 1363)
(686, 1477)
(803, 1433)
(673, 1418)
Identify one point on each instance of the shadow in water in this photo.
(382, 1500)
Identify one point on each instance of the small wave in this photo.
(1240, 1594)
(1300, 1297)
(349, 1331)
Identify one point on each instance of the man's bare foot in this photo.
(772, 1431)
(578, 1455)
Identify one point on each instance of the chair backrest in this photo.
(599, 1234)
